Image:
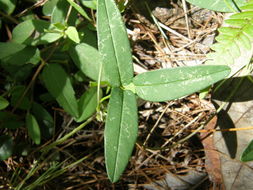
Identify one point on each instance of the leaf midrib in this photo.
(240, 32)
(163, 83)
(118, 140)
(113, 43)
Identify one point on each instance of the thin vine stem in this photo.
(64, 138)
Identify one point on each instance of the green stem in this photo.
(231, 8)
(64, 138)
(156, 22)
(98, 86)
(54, 172)
(9, 17)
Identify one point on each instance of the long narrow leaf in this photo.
(247, 154)
(33, 128)
(120, 131)
(113, 44)
(169, 84)
(45, 120)
(79, 9)
(58, 84)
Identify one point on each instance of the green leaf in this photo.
(45, 32)
(18, 54)
(48, 7)
(234, 42)
(13, 124)
(10, 121)
(120, 131)
(92, 4)
(3, 103)
(18, 72)
(58, 55)
(33, 128)
(87, 104)
(169, 84)
(218, 5)
(72, 34)
(247, 6)
(16, 94)
(18, 60)
(27, 55)
(22, 149)
(113, 44)
(121, 5)
(79, 9)
(204, 92)
(23, 31)
(247, 154)
(9, 49)
(88, 36)
(8, 6)
(45, 120)
(46, 97)
(47, 38)
(59, 85)
(80, 77)
(6, 147)
(87, 59)
(59, 13)
(60, 26)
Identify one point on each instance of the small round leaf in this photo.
(3, 103)
(72, 34)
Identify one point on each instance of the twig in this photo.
(37, 72)
(37, 4)
(223, 130)
(186, 19)
(156, 22)
(9, 17)
(180, 131)
(156, 124)
(64, 138)
(173, 31)
(29, 85)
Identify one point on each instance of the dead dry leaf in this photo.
(212, 157)
(177, 182)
